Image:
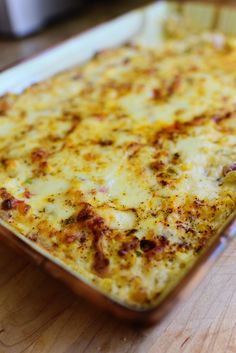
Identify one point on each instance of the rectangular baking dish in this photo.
(145, 26)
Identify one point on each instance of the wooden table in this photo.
(40, 315)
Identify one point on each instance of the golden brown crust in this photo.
(124, 168)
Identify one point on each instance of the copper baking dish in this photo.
(144, 25)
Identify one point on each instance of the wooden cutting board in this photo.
(40, 315)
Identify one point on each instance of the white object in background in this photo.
(22, 17)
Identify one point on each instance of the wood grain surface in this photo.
(40, 315)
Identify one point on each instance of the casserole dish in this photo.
(119, 202)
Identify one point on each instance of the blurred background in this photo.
(30, 26)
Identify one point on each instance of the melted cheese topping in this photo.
(123, 169)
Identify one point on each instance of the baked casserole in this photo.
(124, 168)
